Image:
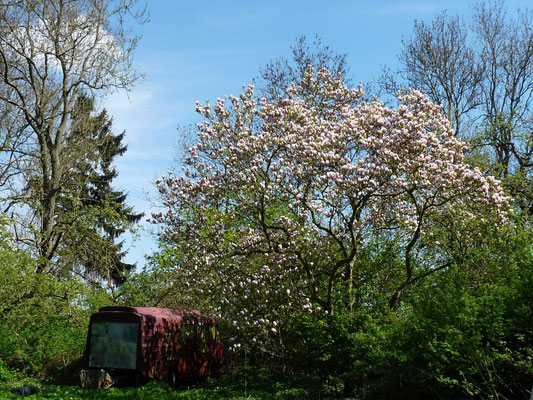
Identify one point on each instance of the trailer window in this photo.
(187, 333)
(114, 345)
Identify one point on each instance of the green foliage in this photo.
(45, 330)
(453, 341)
(150, 287)
(464, 332)
(93, 213)
(6, 374)
(245, 383)
(44, 320)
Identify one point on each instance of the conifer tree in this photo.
(90, 203)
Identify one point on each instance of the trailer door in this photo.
(114, 344)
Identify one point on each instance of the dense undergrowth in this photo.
(244, 383)
(465, 333)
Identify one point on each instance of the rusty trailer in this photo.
(136, 344)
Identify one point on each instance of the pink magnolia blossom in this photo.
(276, 198)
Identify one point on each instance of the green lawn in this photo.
(151, 391)
(254, 384)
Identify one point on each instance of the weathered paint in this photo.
(163, 348)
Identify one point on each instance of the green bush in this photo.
(6, 374)
(44, 319)
(465, 332)
(45, 332)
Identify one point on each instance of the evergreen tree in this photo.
(95, 214)
(51, 53)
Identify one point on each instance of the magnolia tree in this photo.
(278, 198)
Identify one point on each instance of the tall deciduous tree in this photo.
(51, 52)
(279, 197)
(481, 71)
(440, 62)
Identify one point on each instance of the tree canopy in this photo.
(481, 70)
(52, 53)
(279, 197)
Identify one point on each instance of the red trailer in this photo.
(136, 344)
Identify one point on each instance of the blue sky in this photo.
(203, 50)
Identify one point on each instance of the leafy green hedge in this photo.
(465, 333)
(44, 319)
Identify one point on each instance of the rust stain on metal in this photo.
(154, 343)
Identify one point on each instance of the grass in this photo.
(249, 384)
(151, 391)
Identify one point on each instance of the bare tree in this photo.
(481, 71)
(279, 74)
(506, 57)
(51, 52)
(439, 61)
